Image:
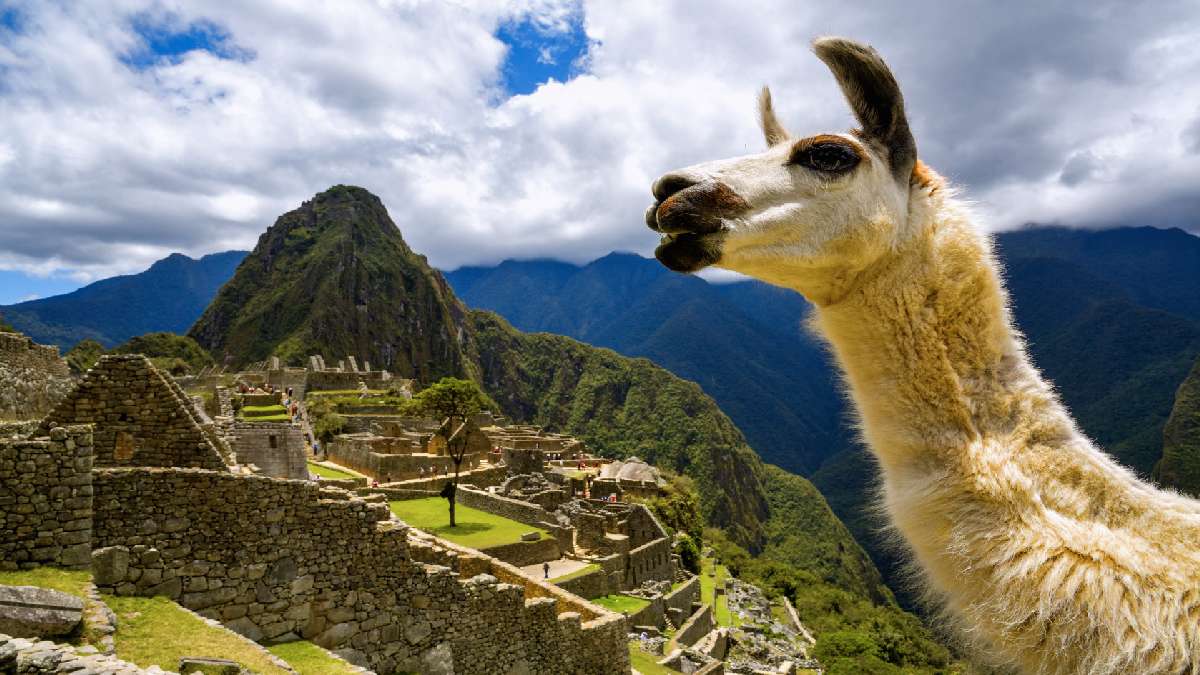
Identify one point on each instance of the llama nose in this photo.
(670, 184)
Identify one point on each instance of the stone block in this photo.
(208, 666)
(29, 611)
(531, 536)
(110, 565)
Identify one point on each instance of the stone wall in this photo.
(523, 460)
(650, 562)
(485, 477)
(594, 584)
(334, 569)
(650, 615)
(522, 512)
(522, 553)
(327, 380)
(277, 449)
(388, 468)
(46, 499)
(678, 603)
(140, 417)
(33, 378)
(700, 624)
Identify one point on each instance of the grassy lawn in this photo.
(577, 573)
(265, 413)
(710, 579)
(67, 581)
(310, 659)
(644, 663)
(156, 631)
(475, 528)
(326, 472)
(626, 604)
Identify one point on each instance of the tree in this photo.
(453, 401)
(84, 355)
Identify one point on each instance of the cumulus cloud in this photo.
(130, 129)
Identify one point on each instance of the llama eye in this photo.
(826, 157)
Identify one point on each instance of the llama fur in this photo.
(1048, 556)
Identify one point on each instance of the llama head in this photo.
(807, 213)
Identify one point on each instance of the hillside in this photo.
(334, 277)
(1179, 467)
(741, 342)
(167, 297)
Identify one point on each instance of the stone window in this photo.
(272, 441)
(123, 450)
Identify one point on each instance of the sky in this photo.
(493, 129)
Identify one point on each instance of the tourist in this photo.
(546, 569)
(374, 482)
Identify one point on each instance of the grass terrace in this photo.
(68, 581)
(713, 576)
(621, 604)
(157, 632)
(475, 529)
(646, 663)
(265, 413)
(326, 472)
(310, 659)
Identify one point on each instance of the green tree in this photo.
(84, 355)
(454, 401)
(326, 423)
(176, 354)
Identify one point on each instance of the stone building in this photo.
(140, 417)
(33, 377)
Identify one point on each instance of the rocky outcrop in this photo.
(335, 277)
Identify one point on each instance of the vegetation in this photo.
(156, 631)
(326, 422)
(1180, 464)
(333, 277)
(309, 659)
(6, 327)
(175, 354)
(896, 638)
(265, 413)
(622, 604)
(645, 663)
(73, 582)
(84, 355)
(454, 401)
(476, 529)
(326, 472)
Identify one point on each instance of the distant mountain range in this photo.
(167, 297)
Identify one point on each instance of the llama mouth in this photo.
(689, 252)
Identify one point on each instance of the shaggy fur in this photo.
(1051, 558)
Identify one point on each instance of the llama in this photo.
(1047, 556)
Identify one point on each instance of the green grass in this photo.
(343, 392)
(621, 604)
(710, 579)
(476, 529)
(310, 659)
(156, 631)
(67, 581)
(577, 573)
(264, 409)
(326, 472)
(646, 663)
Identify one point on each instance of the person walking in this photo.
(546, 569)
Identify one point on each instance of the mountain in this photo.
(1179, 467)
(335, 277)
(742, 342)
(167, 297)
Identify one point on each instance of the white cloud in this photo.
(1083, 114)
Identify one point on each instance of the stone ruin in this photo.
(33, 377)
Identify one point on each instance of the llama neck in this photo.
(927, 349)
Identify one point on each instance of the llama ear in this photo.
(773, 131)
(874, 96)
